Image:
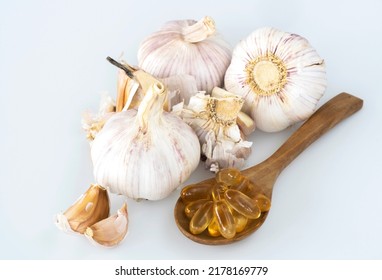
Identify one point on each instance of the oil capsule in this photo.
(242, 204)
(240, 221)
(263, 202)
(229, 176)
(213, 228)
(244, 186)
(193, 206)
(218, 191)
(195, 192)
(202, 218)
(224, 219)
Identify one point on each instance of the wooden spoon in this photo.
(265, 173)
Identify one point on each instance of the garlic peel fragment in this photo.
(279, 75)
(110, 231)
(93, 123)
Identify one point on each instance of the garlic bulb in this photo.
(187, 47)
(214, 119)
(280, 76)
(145, 153)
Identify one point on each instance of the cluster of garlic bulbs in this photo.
(172, 108)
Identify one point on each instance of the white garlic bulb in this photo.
(187, 47)
(145, 153)
(214, 119)
(280, 76)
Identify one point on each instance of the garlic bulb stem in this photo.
(199, 31)
(128, 71)
(151, 104)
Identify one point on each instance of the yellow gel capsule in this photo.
(195, 192)
(229, 176)
(244, 187)
(213, 228)
(193, 206)
(218, 191)
(263, 202)
(224, 219)
(242, 204)
(240, 221)
(202, 218)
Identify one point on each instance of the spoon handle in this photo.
(327, 116)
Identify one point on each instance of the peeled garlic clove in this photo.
(91, 207)
(214, 121)
(110, 231)
(187, 47)
(280, 76)
(145, 153)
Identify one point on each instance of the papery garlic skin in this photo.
(187, 47)
(280, 76)
(93, 123)
(214, 121)
(145, 153)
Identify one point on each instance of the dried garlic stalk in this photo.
(132, 88)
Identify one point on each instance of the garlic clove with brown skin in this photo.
(187, 47)
(91, 207)
(111, 231)
(280, 76)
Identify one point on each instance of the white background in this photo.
(326, 204)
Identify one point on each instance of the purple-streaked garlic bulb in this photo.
(187, 47)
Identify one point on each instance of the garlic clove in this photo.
(110, 231)
(91, 207)
(280, 76)
(245, 123)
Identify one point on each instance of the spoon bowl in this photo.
(264, 174)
